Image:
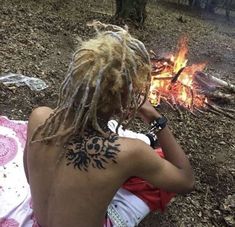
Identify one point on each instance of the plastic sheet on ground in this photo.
(35, 84)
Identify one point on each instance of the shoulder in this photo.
(38, 117)
(135, 145)
(143, 158)
(40, 114)
(137, 150)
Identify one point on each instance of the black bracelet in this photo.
(153, 139)
(158, 124)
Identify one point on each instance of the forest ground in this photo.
(38, 39)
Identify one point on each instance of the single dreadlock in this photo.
(107, 74)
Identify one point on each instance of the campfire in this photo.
(181, 85)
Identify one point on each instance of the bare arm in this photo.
(176, 164)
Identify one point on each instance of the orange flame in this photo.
(173, 80)
(181, 60)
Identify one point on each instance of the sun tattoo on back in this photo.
(92, 150)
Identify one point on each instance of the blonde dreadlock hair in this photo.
(107, 73)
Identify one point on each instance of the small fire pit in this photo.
(182, 85)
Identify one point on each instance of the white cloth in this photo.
(112, 124)
(131, 209)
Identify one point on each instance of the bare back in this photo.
(76, 190)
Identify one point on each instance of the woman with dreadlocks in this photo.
(78, 169)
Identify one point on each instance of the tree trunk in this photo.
(210, 5)
(228, 4)
(133, 10)
(195, 4)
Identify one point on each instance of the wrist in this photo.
(158, 124)
(153, 139)
(152, 117)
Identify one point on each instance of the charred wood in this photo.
(175, 78)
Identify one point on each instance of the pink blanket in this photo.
(15, 199)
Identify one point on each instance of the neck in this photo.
(102, 120)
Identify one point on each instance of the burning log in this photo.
(162, 78)
(185, 86)
(175, 78)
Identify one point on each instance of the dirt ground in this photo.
(38, 39)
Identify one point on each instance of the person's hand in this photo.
(147, 112)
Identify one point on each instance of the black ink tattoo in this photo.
(92, 150)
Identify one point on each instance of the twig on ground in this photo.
(218, 110)
(176, 106)
(199, 110)
(227, 109)
(167, 102)
(207, 191)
